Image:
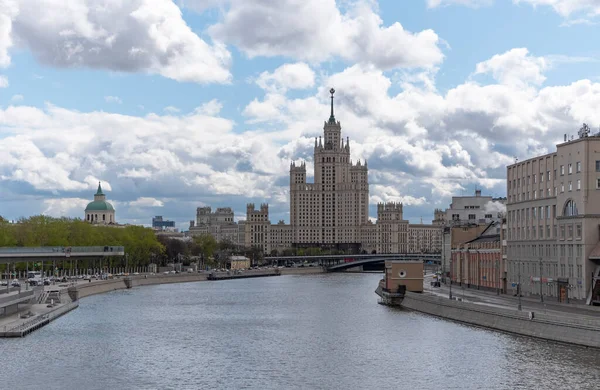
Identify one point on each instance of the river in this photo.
(288, 332)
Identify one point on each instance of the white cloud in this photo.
(210, 108)
(59, 207)
(495, 207)
(16, 98)
(121, 35)
(515, 68)
(171, 109)
(468, 3)
(287, 76)
(3, 81)
(565, 8)
(146, 202)
(317, 30)
(113, 99)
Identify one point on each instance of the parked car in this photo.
(15, 283)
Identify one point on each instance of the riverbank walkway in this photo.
(490, 298)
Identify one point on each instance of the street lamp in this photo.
(519, 287)
(450, 293)
(497, 278)
(541, 293)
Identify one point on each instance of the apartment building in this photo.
(553, 221)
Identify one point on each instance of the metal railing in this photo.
(61, 249)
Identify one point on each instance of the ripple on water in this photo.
(289, 332)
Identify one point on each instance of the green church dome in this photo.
(99, 205)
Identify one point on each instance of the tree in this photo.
(207, 245)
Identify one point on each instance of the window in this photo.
(578, 184)
(570, 209)
(598, 183)
(541, 177)
(562, 236)
(534, 194)
(570, 186)
(549, 177)
(562, 187)
(597, 165)
(471, 216)
(562, 170)
(488, 216)
(570, 235)
(578, 230)
(547, 212)
(570, 168)
(578, 166)
(534, 179)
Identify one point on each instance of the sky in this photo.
(174, 105)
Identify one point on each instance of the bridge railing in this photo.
(61, 249)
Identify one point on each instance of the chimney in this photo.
(477, 192)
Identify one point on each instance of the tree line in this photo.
(141, 244)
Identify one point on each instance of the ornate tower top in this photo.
(332, 117)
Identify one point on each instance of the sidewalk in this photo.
(505, 300)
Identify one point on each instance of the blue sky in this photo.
(205, 102)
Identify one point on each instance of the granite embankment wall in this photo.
(570, 328)
(100, 287)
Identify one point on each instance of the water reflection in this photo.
(305, 332)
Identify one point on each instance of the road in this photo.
(490, 298)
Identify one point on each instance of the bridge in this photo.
(19, 254)
(342, 262)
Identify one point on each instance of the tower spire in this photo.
(331, 117)
(99, 192)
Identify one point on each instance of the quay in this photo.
(29, 310)
(245, 274)
(553, 321)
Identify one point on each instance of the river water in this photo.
(288, 332)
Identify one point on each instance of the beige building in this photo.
(333, 212)
(424, 238)
(220, 224)
(553, 219)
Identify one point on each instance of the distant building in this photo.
(220, 224)
(238, 262)
(160, 224)
(333, 211)
(478, 263)
(424, 238)
(476, 209)
(100, 211)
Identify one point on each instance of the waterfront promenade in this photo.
(34, 315)
(566, 323)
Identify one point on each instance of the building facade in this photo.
(475, 209)
(423, 238)
(160, 224)
(333, 211)
(100, 212)
(220, 224)
(553, 219)
(479, 263)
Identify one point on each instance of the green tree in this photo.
(207, 245)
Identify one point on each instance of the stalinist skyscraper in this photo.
(331, 211)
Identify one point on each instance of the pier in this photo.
(246, 274)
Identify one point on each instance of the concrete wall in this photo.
(119, 284)
(581, 330)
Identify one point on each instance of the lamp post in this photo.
(497, 278)
(450, 293)
(541, 293)
(519, 287)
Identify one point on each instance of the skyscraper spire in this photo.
(332, 118)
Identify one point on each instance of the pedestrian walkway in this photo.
(509, 301)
